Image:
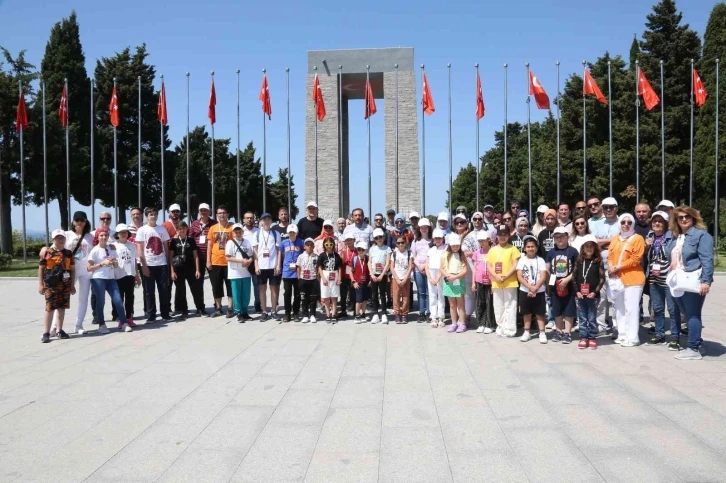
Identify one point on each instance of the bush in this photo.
(5, 260)
(34, 245)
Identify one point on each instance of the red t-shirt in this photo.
(361, 274)
(346, 254)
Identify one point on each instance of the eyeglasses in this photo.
(626, 222)
(378, 219)
(477, 219)
(593, 205)
(400, 243)
(608, 207)
(684, 217)
(515, 207)
(105, 219)
(580, 207)
(461, 222)
(509, 218)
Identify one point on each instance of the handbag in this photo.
(615, 286)
(680, 281)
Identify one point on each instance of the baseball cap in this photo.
(666, 203)
(121, 227)
(453, 239)
(349, 236)
(542, 208)
(662, 214)
(561, 230)
(502, 229)
(309, 240)
(80, 215)
(589, 238)
(378, 232)
(479, 213)
(174, 207)
(328, 223)
(292, 228)
(488, 207)
(203, 206)
(610, 201)
(58, 232)
(265, 215)
(460, 216)
(362, 244)
(438, 233)
(443, 216)
(483, 235)
(424, 222)
(237, 226)
(311, 204)
(529, 237)
(414, 214)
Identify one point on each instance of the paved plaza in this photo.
(209, 401)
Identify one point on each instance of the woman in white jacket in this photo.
(435, 280)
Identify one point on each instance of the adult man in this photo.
(642, 219)
(217, 262)
(580, 209)
(514, 208)
(137, 221)
(283, 220)
(172, 224)
(104, 221)
(488, 218)
(311, 226)
(268, 265)
(604, 230)
(596, 216)
(249, 231)
(152, 245)
(667, 206)
(563, 216)
(377, 221)
(360, 229)
(200, 232)
(390, 219)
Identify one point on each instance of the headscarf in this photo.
(550, 211)
(624, 235)
(520, 220)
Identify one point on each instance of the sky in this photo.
(223, 36)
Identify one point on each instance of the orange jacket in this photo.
(631, 269)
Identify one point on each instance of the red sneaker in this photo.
(582, 344)
(593, 344)
(120, 324)
(131, 322)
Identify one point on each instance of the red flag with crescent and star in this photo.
(63, 109)
(427, 100)
(699, 91)
(21, 119)
(479, 99)
(113, 108)
(370, 101)
(265, 97)
(650, 98)
(161, 113)
(212, 109)
(318, 100)
(536, 89)
(590, 87)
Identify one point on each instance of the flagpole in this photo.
(93, 199)
(662, 131)
(423, 152)
(68, 152)
(189, 204)
(584, 137)
(690, 176)
(370, 201)
(340, 139)
(115, 164)
(238, 216)
(397, 207)
(610, 129)
(264, 156)
(529, 141)
(45, 171)
(212, 155)
(315, 117)
(637, 134)
(715, 218)
(162, 153)
(476, 66)
(289, 174)
(451, 157)
(504, 206)
(161, 129)
(558, 131)
(22, 182)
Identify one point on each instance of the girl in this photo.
(379, 261)
(454, 269)
(184, 267)
(401, 279)
(589, 280)
(330, 272)
(102, 261)
(127, 275)
(308, 279)
(435, 282)
(56, 276)
(361, 278)
(580, 230)
(239, 254)
(532, 275)
(482, 285)
(502, 264)
(420, 248)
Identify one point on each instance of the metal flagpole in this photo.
(162, 154)
(161, 134)
(115, 165)
(397, 208)
(289, 173)
(315, 117)
(558, 131)
(637, 134)
(451, 154)
(189, 204)
(68, 151)
(478, 162)
(610, 129)
(423, 154)
(264, 157)
(716, 207)
(239, 203)
(662, 130)
(370, 201)
(22, 184)
(93, 198)
(529, 142)
(504, 205)
(340, 139)
(690, 176)
(45, 171)
(214, 206)
(584, 139)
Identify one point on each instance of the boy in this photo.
(291, 248)
(308, 281)
(152, 243)
(532, 275)
(561, 262)
(56, 278)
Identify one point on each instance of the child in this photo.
(482, 285)
(401, 279)
(239, 255)
(184, 267)
(127, 276)
(361, 277)
(453, 269)
(435, 280)
(56, 278)
(532, 275)
(561, 261)
(589, 279)
(291, 249)
(102, 262)
(308, 281)
(502, 264)
(379, 261)
(347, 293)
(330, 272)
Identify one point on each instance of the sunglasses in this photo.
(594, 205)
(507, 219)
(580, 207)
(684, 217)
(657, 220)
(608, 207)
(105, 219)
(581, 223)
(515, 207)
(477, 219)
(400, 243)
(378, 219)
(626, 222)
(461, 222)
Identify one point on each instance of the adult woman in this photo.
(579, 231)
(517, 240)
(508, 220)
(691, 250)
(626, 280)
(657, 268)
(539, 223)
(419, 249)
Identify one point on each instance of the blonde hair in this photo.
(687, 210)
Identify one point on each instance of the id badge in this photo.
(379, 268)
(265, 253)
(456, 282)
(293, 266)
(306, 274)
(349, 270)
(331, 276)
(202, 239)
(585, 289)
(66, 275)
(655, 270)
(498, 268)
(553, 279)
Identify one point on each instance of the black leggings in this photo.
(309, 292)
(291, 306)
(379, 292)
(126, 287)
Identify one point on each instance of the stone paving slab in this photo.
(211, 400)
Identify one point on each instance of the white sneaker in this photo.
(576, 328)
(102, 329)
(434, 323)
(542, 338)
(305, 320)
(480, 330)
(620, 340)
(53, 331)
(488, 330)
(500, 331)
(550, 325)
(127, 328)
(384, 319)
(526, 337)
(312, 319)
(374, 320)
(79, 330)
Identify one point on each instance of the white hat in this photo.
(58, 232)
(121, 227)
(488, 207)
(483, 235)
(203, 206)
(561, 230)
(438, 233)
(328, 223)
(309, 240)
(237, 225)
(362, 244)
(542, 208)
(460, 216)
(414, 214)
(477, 213)
(443, 216)
(292, 228)
(311, 203)
(453, 239)
(424, 222)
(349, 236)
(662, 214)
(666, 203)
(174, 207)
(610, 201)
(378, 232)
(589, 238)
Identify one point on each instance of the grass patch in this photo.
(20, 269)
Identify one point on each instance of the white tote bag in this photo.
(614, 285)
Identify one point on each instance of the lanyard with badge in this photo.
(202, 236)
(584, 286)
(330, 265)
(498, 265)
(265, 240)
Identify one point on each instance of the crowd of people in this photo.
(567, 272)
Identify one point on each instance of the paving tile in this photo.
(351, 430)
(358, 391)
(413, 454)
(339, 467)
(500, 465)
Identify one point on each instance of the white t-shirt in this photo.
(81, 255)
(98, 255)
(400, 261)
(126, 259)
(434, 258)
(235, 269)
(308, 266)
(577, 242)
(250, 235)
(267, 244)
(153, 239)
(364, 233)
(377, 256)
(532, 269)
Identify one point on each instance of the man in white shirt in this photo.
(152, 245)
(361, 230)
(268, 265)
(249, 233)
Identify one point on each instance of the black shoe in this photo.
(240, 319)
(328, 320)
(200, 313)
(275, 316)
(288, 318)
(342, 315)
(258, 308)
(674, 345)
(62, 335)
(46, 338)
(656, 341)
(684, 329)
(184, 315)
(114, 318)
(264, 317)
(230, 314)
(151, 320)
(168, 318)
(216, 313)
(651, 330)
(246, 316)
(566, 338)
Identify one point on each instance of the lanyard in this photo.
(533, 270)
(183, 244)
(585, 272)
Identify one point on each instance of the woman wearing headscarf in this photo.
(522, 230)
(625, 263)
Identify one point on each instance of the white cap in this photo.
(203, 206)
(542, 208)
(662, 214)
(477, 213)
(610, 201)
(460, 216)
(309, 240)
(378, 232)
(424, 222)
(349, 236)
(362, 244)
(121, 227)
(237, 225)
(666, 203)
(58, 232)
(561, 230)
(328, 223)
(438, 233)
(174, 207)
(589, 238)
(311, 203)
(292, 228)
(453, 239)
(443, 216)
(483, 235)
(414, 214)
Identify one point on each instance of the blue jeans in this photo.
(548, 299)
(102, 286)
(661, 297)
(587, 317)
(691, 305)
(422, 285)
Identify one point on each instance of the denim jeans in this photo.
(661, 297)
(100, 287)
(691, 305)
(548, 299)
(422, 286)
(158, 276)
(587, 317)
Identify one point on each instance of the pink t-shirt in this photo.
(481, 271)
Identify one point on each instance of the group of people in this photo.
(585, 271)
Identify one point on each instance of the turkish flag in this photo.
(699, 91)
(318, 99)
(536, 89)
(590, 87)
(161, 113)
(212, 109)
(427, 101)
(63, 109)
(650, 98)
(479, 99)
(370, 101)
(265, 97)
(113, 108)
(21, 120)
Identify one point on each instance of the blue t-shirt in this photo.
(290, 250)
(377, 255)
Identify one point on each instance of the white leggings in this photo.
(627, 312)
(436, 297)
(84, 293)
(505, 309)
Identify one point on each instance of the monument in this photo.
(342, 77)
